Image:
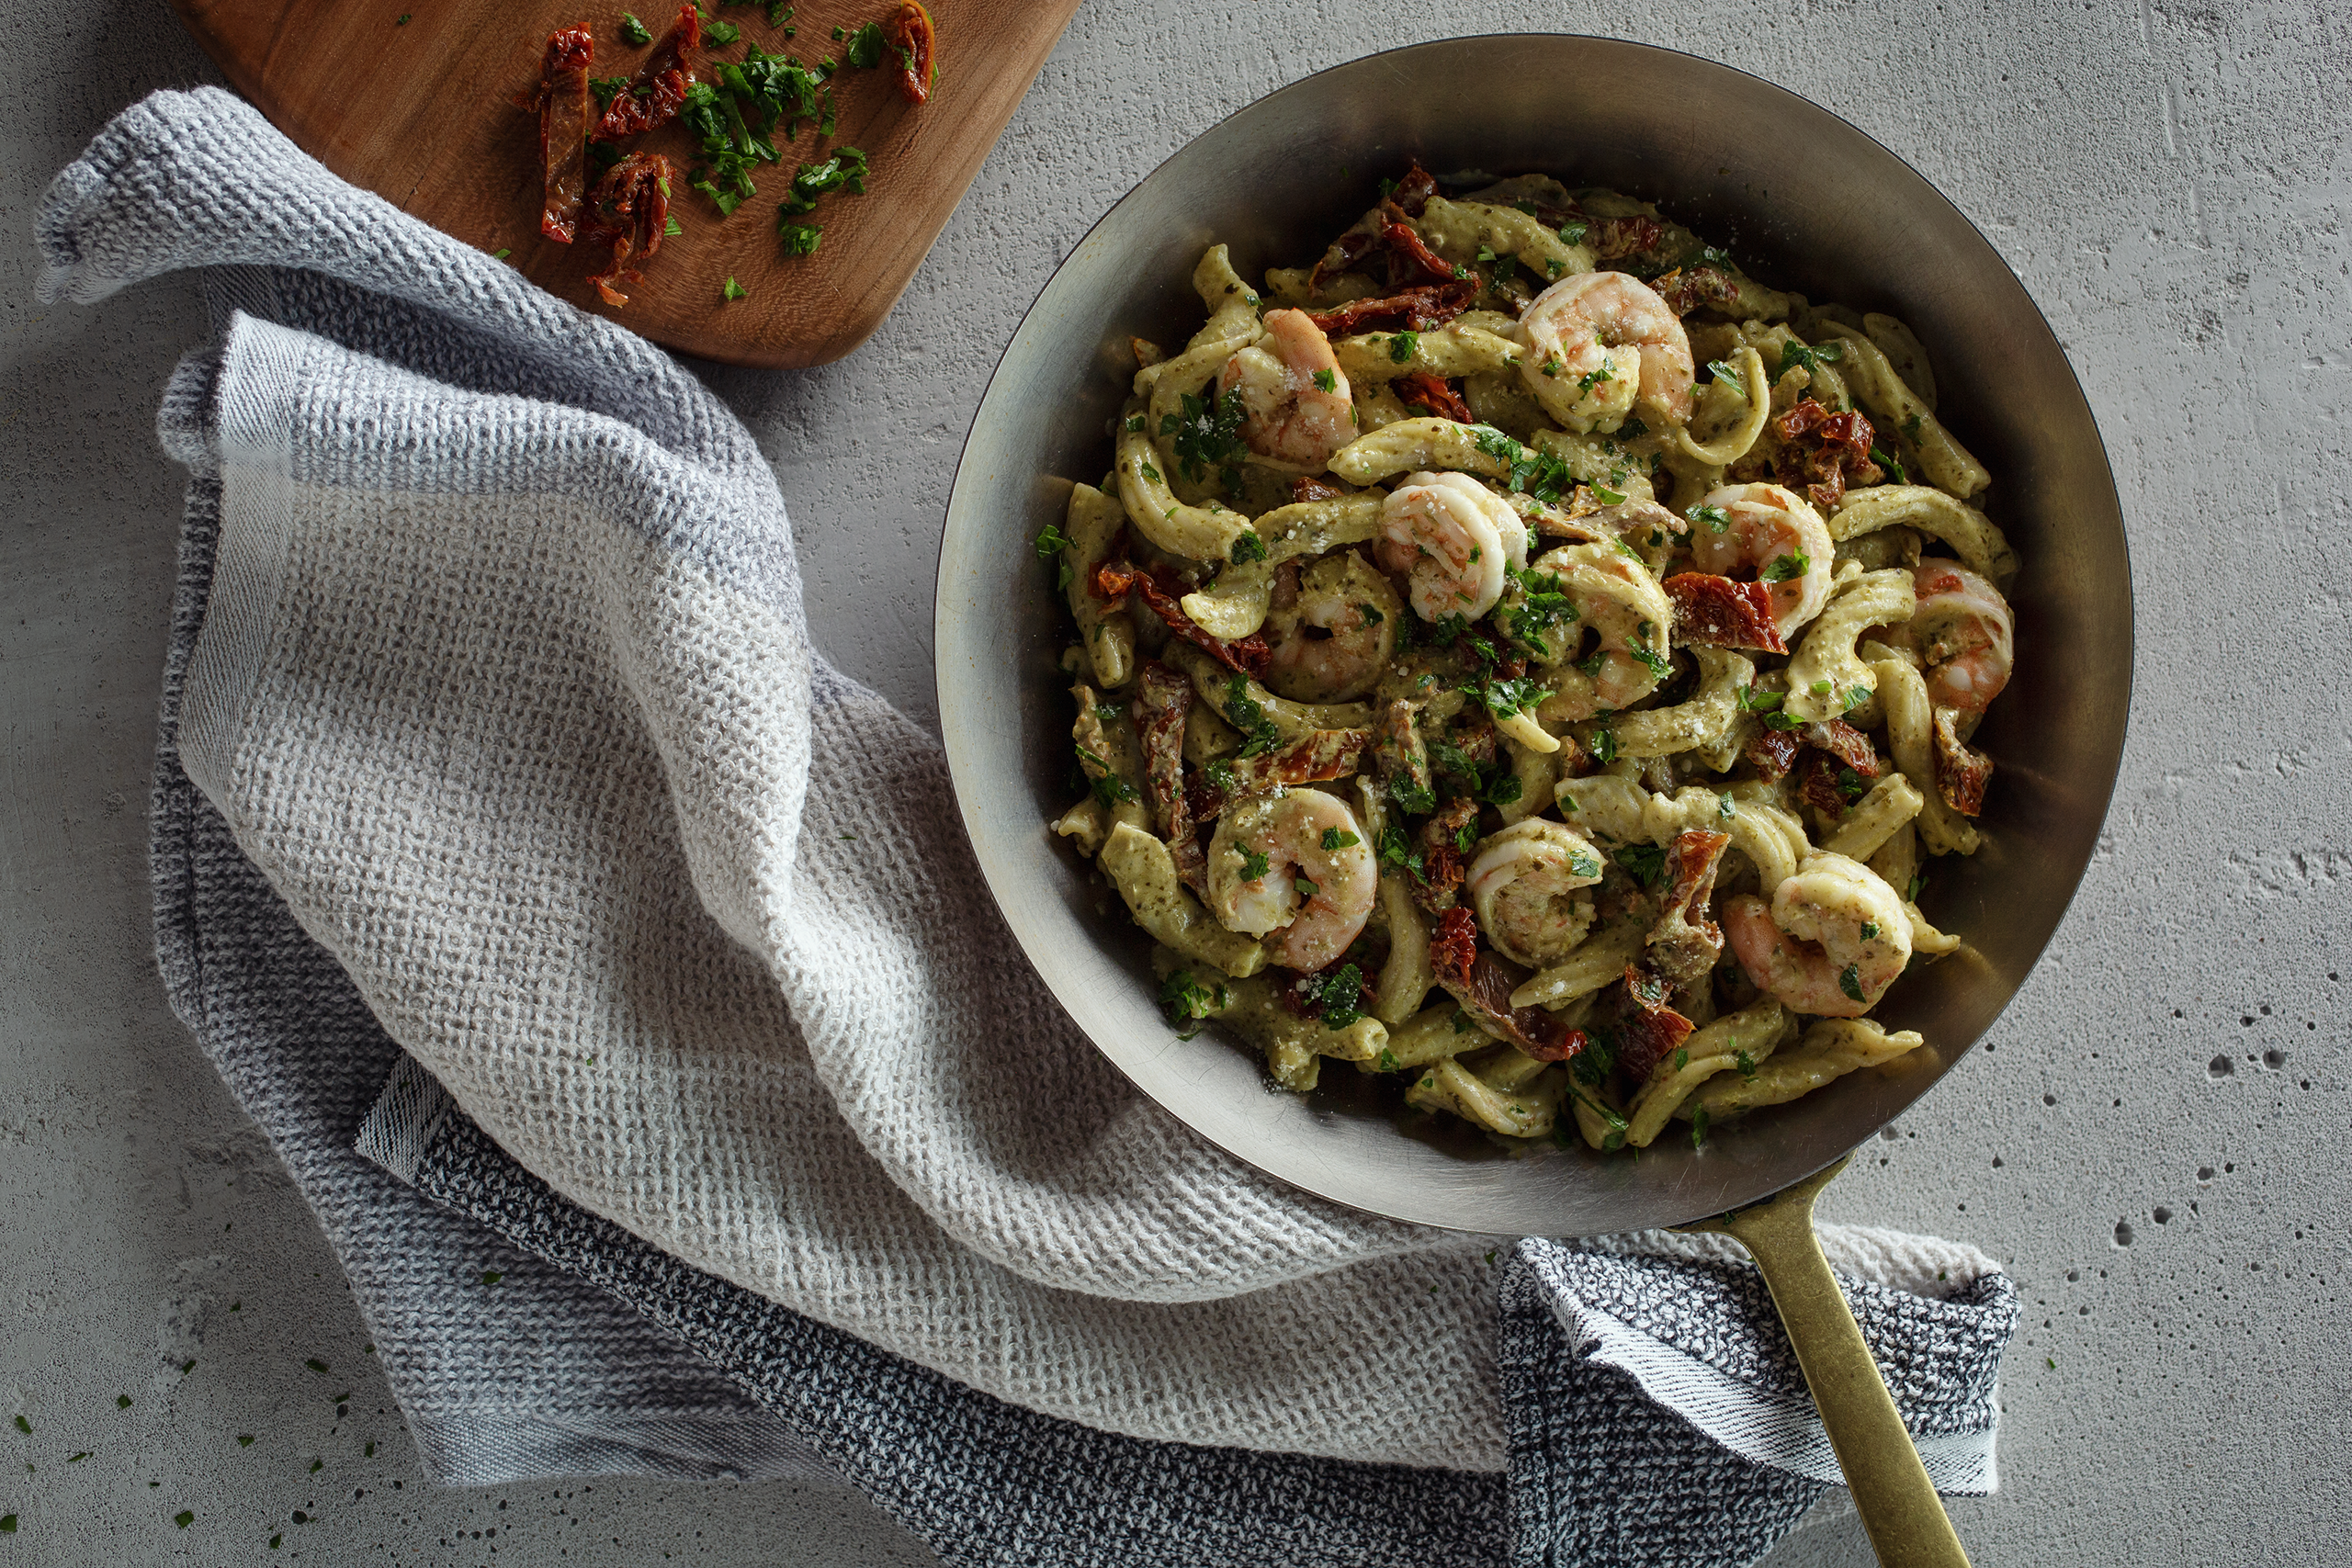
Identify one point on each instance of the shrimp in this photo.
(1598, 343)
(1332, 630)
(1630, 617)
(1450, 537)
(1296, 866)
(1964, 634)
(1830, 943)
(1296, 405)
(1770, 535)
(1524, 882)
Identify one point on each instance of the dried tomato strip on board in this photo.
(631, 208)
(1715, 611)
(562, 103)
(654, 95)
(1247, 656)
(911, 35)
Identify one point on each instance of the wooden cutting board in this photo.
(413, 99)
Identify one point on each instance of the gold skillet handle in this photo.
(1907, 1526)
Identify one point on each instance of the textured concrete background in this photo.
(2154, 1136)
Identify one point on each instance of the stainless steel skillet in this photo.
(1807, 201)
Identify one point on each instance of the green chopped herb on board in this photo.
(731, 290)
(501, 253)
(799, 239)
(634, 32)
(716, 34)
(864, 47)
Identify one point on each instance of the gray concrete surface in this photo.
(2155, 1136)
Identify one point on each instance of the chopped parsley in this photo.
(1654, 662)
(799, 239)
(1604, 747)
(1254, 865)
(1606, 373)
(634, 32)
(1338, 996)
(1870, 931)
(1721, 371)
(1582, 864)
(1699, 1127)
(1387, 1063)
(1794, 355)
(1412, 797)
(1538, 474)
(1186, 1000)
(865, 46)
(1682, 1058)
(1339, 838)
(1893, 465)
(1205, 436)
(1051, 544)
(1911, 894)
(1505, 696)
(1542, 603)
(717, 33)
(1401, 348)
(731, 290)
(1647, 863)
(1851, 784)
(1785, 568)
(1856, 696)
(1396, 850)
(1149, 471)
(1572, 233)
(1326, 380)
(1744, 1062)
(1466, 835)
(1305, 889)
(1911, 427)
(1246, 714)
(1714, 517)
(1248, 545)
(1850, 980)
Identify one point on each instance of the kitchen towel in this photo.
(512, 755)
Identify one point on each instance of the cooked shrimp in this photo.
(1964, 634)
(1296, 405)
(1629, 616)
(1450, 537)
(1772, 534)
(1830, 943)
(1525, 882)
(1598, 343)
(1332, 628)
(1296, 866)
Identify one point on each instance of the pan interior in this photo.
(1806, 202)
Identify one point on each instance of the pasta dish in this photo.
(1521, 653)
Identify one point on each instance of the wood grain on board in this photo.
(421, 111)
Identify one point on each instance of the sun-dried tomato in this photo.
(654, 95)
(1715, 611)
(1824, 452)
(1646, 1034)
(1247, 655)
(1690, 288)
(1453, 946)
(1432, 394)
(1434, 884)
(1960, 774)
(630, 211)
(1163, 699)
(1413, 310)
(1685, 942)
(1314, 486)
(562, 103)
(1848, 745)
(1774, 752)
(911, 34)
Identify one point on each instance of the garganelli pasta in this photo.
(1522, 654)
